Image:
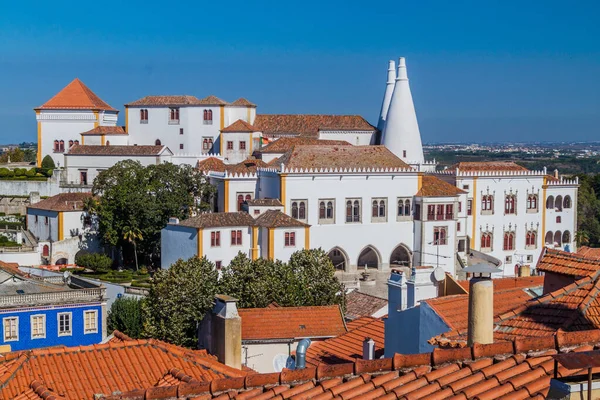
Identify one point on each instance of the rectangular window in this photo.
(218, 264)
(290, 239)
(417, 212)
(11, 328)
(449, 211)
(242, 145)
(470, 207)
(466, 187)
(215, 239)
(45, 220)
(180, 146)
(508, 259)
(90, 321)
(353, 207)
(460, 206)
(64, 324)
(378, 210)
(36, 218)
(299, 209)
(440, 235)
(236, 237)
(461, 246)
(404, 153)
(256, 211)
(458, 226)
(439, 212)
(181, 131)
(83, 177)
(207, 144)
(174, 116)
(326, 211)
(430, 212)
(229, 145)
(144, 116)
(38, 326)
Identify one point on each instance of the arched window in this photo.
(356, 211)
(407, 208)
(108, 142)
(566, 237)
(567, 202)
(56, 146)
(61, 146)
(548, 238)
(486, 240)
(348, 211)
(509, 241)
(558, 203)
(550, 202)
(45, 251)
(381, 208)
(248, 197)
(322, 210)
(205, 144)
(295, 210)
(509, 204)
(330, 210)
(77, 142)
(531, 239)
(70, 143)
(532, 202)
(208, 116)
(240, 200)
(375, 209)
(558, 238)
(487, 202)
(302, 210)
(157, 142)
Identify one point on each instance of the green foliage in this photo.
(125, 315)
(588, 211)
(178, 299)
(141, 199)
(97, 262)
(15, 155)
(48, 162)
(5, 242)
(4, 172)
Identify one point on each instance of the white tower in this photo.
(387, 97)
(401, 132)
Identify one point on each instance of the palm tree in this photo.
(582, 238)
(132, 235)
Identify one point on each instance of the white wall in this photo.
(356, 138)
(281, 251)
(226, 252)
(40, 229)
(236, 155)
(240, 185)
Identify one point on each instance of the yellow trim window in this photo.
(90, 321)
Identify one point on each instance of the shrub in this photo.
(48, 162)
(30, 172)
(97, 262)
(125, 315)
(20, 171)
(4, 172)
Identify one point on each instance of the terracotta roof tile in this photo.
(565, 263)
(344, 157)
(308, 125)
(277, 219)
(106, 130)
(62, 202)
(221, 219)
(76, 96)
(476, 166)
(433, 186)
(359, 304)
(211, 164)
(166, 101)
(84, 371)
(287, 143)
(291, 322)
(265, 202)
(239, 126)
(510, 282)
(212, 101)
(78, 149)
(242, 102)
(248, 166)
(589, 252)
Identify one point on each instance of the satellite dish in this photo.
(439, 274)
(281, 361)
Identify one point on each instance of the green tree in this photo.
(125, 315)
(132, 235)
(130, 195)
(177, 300)
(588, 210)
(97, 262)
(14, 155)
(48, 162)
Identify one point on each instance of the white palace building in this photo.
(364, 194)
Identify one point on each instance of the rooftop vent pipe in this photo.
(301, 353)
(368, 349)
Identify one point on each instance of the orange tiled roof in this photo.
(433, 186)
(348, 346)
(248, 166)
(211, 164)
(505, 370)
(359, 304)
(76, 96)
(565, 263)
(476, 166)
(589, 252)
(242, 102)
(308, 125)
(361, 157)
(119, 150)
(84, 371)
(291, 322)
(219, 219)
(212, 101)
(239, 126)
(106, 130)
(513, 282)
(177, 100)
(62, 202)
(286, 143)
(277, 219)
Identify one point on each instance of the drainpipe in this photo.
(301, 353)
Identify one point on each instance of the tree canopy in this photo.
(131, 197)
(48, 162)
(125, 315)
(588, 211)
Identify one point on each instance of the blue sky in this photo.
(480, 70)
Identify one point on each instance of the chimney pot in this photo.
(368, 349)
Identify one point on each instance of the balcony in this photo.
(59, 297)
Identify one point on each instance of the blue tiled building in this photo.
(37, 312)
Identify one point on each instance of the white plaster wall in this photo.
(236, 155)
(94, 140)
(72, 221)
(226, 252)
(21, 258)
(255, 211)
(260, 357)
(240, 185)
(96, 164)
(283, 252)
(356, 138)
(49, 187)
(233, 113)
(39, 229)
(568, 216)
(268, 157)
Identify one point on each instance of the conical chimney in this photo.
(401, 133)
(387, 96)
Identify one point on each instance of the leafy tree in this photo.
(588, 211)
(132, 235)
(97, 262)
(178, 299)
(15, 155)
(125, 315)
(142, 199)
(48, 162)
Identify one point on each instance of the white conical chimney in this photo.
(401, 133)
(387, 96)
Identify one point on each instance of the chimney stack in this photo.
(556, 173)
(481, 311)
(368, 349)
(387, 96)
(225, 332)
(524, 270)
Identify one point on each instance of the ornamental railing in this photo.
(67, 296)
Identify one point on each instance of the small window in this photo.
(218, 264)
(207, 144)
(458, 226)
(229, 145)
(353, 213)
(550, 202)
(208, 117)
(242, 145)
(38, 326)
(174, 115)
(508, 259)
(487, 204)
(532, 203)
(404, 210)
(56, 146)
(465, 187)
(243, 197)
(70, 143)
(558, 219)
(486, 241)
(236, 237)
(404, 153)
(256, 211)
(143, 116)
(181, 131)
(470, 207)
(11, 329)
(77, 142)
(440, 235)
(558, 203)
(529, 258)
(36, 218)
(90, 321)
(531, 240)
(157, 142)
(290, 239)
(61, 146)
(509, 204)
(215, 239)
(181, 146)
(567, 202)
(45, 220)
(64, 324)
(566, 238)
(449, 211)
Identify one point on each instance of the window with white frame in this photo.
(38, 326)
(326, 211)
(404, 209)
(11, 328)
(65, 324)
(299, 208)
(353, 207)
(90, 321)
(378, 210)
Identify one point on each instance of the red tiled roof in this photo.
(291, 322)
(359, 304)
(213, 220)
(589, 252)
(177, 100)
(106, 130)
(476, 166)
(239, 126)
(242, 102)
(76, 96)
(512, 282)
(267, 202)
(97, 150)
(84, 371)
(348, 346)
(565, 263)
(248, 166)
(287, 143)
(344, 157)
(277, 219)
(435, 187)
(520, 370)
(308, 125)
(62, 202)
(212, 101)
(211, 164)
